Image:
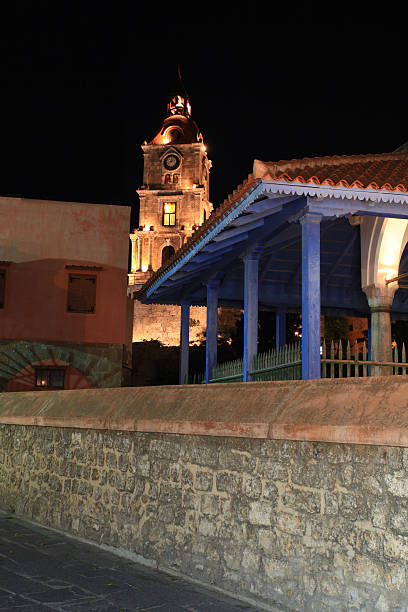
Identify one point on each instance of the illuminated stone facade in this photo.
(174, 200)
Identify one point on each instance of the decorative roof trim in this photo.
(343, 193)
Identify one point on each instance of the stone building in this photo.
(174, 201)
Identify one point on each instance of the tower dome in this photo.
(178, 127)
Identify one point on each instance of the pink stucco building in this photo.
(63, 304)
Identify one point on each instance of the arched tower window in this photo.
(167, 252)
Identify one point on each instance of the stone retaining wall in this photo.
(305, 525)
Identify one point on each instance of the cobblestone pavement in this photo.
(44, 570)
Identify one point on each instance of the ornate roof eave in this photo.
(258, 189)
(338, 192)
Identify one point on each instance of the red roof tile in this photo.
(384, 171)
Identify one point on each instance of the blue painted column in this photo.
(311, 367)
(280, 328)
(251, 262)
(184, 341)
(212, 328)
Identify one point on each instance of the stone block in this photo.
(396, 547)
(252, 487)
(228, 482)
(397, 483)
(260, 513)
(273, 470)
(210, 504)
(301, 500)
(204, 481)
(293, 524)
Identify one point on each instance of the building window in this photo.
(169, 213)
(81, 293)
(50, 378)
(171, 178)
(2, 287)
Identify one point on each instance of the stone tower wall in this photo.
(190, 194)
(162, 322)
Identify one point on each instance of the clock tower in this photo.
(174, 201)
(174, 197)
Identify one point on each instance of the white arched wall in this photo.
(383, 240)
(394, 239)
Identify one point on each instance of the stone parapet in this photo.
(360, 411)
(299, 525)
(253, 506)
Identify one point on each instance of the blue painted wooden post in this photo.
(212, 328)
(184, 341)
(311, 296)
(280, 328)
(251, 262)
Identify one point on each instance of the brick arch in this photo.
(96, 370)
(24, 380)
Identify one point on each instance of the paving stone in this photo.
(48, 571)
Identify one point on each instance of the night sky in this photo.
(81, 90)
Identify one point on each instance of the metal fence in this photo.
(338, 361)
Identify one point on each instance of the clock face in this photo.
(171, 162)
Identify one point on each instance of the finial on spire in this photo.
(181, 82)
(179, 103)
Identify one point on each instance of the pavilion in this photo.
(321, 235)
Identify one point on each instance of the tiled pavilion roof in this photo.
(379, 172)
(385, 171)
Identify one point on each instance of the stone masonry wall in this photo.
(162, 322)
(309, 526)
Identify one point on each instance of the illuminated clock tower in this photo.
(174, 197)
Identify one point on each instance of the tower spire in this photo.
(179, 103)
(181, 83)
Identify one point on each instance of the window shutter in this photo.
(81, 293)
(2, 287)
